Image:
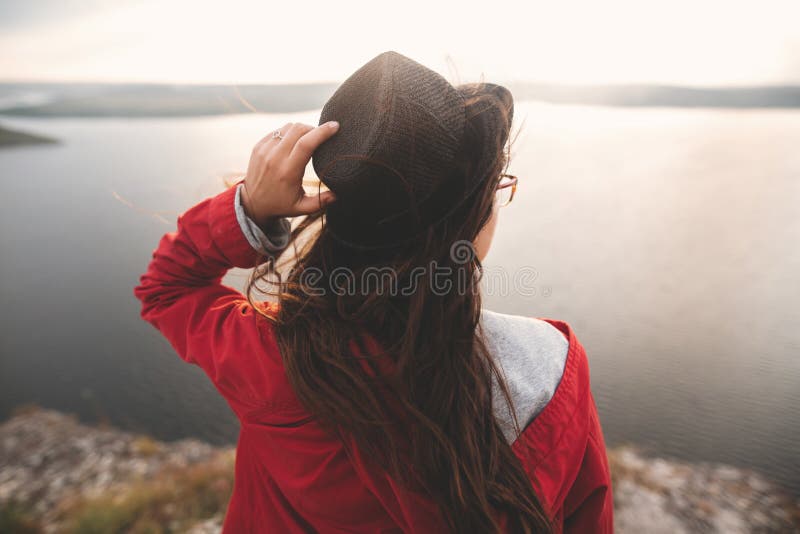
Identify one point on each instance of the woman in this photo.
(376, 395)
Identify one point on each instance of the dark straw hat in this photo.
(411, 122)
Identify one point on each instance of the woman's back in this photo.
(293, 476)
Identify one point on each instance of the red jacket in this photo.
(290, 475)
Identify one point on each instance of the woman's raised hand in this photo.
(273, 186)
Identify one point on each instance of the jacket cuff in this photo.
(272, 239)
(227, 235)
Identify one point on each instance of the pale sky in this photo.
(689, 42)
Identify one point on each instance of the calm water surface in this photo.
(669, 240)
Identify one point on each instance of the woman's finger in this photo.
(308, 143)
(311, 203)
(285, 128)
(297, 130)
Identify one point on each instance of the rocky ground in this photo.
(57, 475)
(657, 496)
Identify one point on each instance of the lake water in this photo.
(669, 239)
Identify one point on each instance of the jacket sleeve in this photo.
(207, 323)
(589, 505)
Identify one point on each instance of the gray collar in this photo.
(531, 354)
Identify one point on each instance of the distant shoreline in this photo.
(18, 138)
(88, 100)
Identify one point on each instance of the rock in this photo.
(210, 526)
(659, 495)
(48, 458)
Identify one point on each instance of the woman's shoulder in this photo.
(532, 354)
(516, 328)
(520, 342)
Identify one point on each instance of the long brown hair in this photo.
(437, 393)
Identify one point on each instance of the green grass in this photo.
(169, 502)
(15, 519)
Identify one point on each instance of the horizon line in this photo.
(12, 81)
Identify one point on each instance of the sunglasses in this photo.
(506, 187)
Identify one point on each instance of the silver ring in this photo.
(277, 133)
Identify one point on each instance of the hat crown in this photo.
(409, 121)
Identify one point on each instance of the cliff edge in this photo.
(58, 475)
